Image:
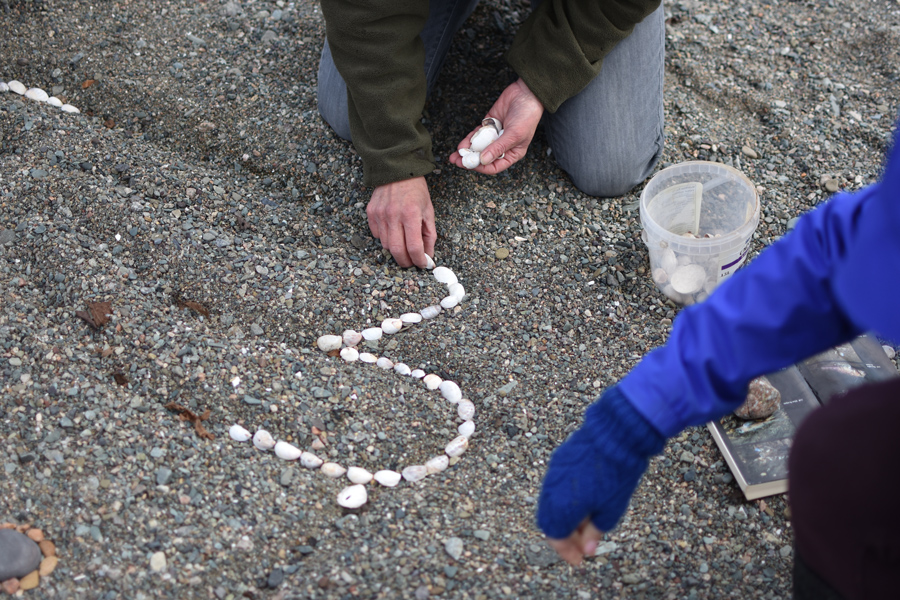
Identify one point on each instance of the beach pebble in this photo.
(239, 434)
(415, 473)
(387, 478)
(327, 343)
(310, 460)
(263, 440)
(20, 555)
(333, 470)
(763, 399)
(286, 451)
(353, 496)
(454, 547)
(359, 475)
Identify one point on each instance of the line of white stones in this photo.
(355, 495)
(36, 94)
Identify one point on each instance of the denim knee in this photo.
(608, 175)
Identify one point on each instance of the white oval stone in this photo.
(437, 464)
(417, 373)
(411, 318)
(54, 101)
(429, 263)
(372, 333)
(449, 302)
(388, 478)
(359, 475)
(384, 363)
(430, 312)
(688, 279)
(432, 381)
(457, 446)
(350, 354)
(263, 440)
(17, 87)
(239, 434)
(367, 357)
(353, 496)
(69, 109)
(457, 289)
(286, 451)
(402, 369)
(37, 94)
(450, 391)
(466, 429)
(483, 138)
(310, 460)
(390, 326)
(327, 343)
(351, 337)
(415, 473)
(333, 470)
(444, 275)
(465, 409)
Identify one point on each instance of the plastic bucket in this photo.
(697, 218)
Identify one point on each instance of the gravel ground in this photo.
(200, 194)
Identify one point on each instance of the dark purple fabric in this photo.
(844, 489)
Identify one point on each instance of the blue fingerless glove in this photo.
(595, 471)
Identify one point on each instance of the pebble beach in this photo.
(171, 253)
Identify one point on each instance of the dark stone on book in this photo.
(762, 400)
(19, 555)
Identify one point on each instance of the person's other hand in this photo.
(519, 110)
(580, 543)
(402, 218)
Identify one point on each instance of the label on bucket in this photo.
(732, 265)
(677, 208)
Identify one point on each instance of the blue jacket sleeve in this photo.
(836, 275)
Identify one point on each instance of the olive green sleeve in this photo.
(560, 48)
(378, 51)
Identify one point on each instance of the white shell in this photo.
(470, 160)
(449, 302)
(430, 262)
(239, 434)
(372, 333)
(3, 87)
(310, 460)
(390, 326)
(327, 343)
(432, 381)
(466, 429)
(17, 87)
(351, 337)
(384, 363)
(437, 464)
(660, 276)
(263, 440)
(668, 261)
(333, 470)
(430, 312)
(367, 357)
(54, 101)
(388, 478)
(450, 391)
(359, 475)
(353, 496)
(37, 94)
(411, 318)
(286, 451)
(457, 289)
(688, 279)
(415, 473)
(483, 138)
(350, 354)
(69, 108)
(444, 275)
(402, 369)
(417, 373)
(457, 446)
(465, 409)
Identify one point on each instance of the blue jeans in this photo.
(608, 138)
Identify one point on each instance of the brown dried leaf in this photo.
(86, 317)
(88, 83)
(186, 414)
(99, 312)
(333, 353)
(194, 306)
(109, 123)
(120, 378)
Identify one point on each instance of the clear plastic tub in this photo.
(697, 218)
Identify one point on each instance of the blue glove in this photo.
(594, 472)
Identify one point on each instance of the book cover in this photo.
(757, 451)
